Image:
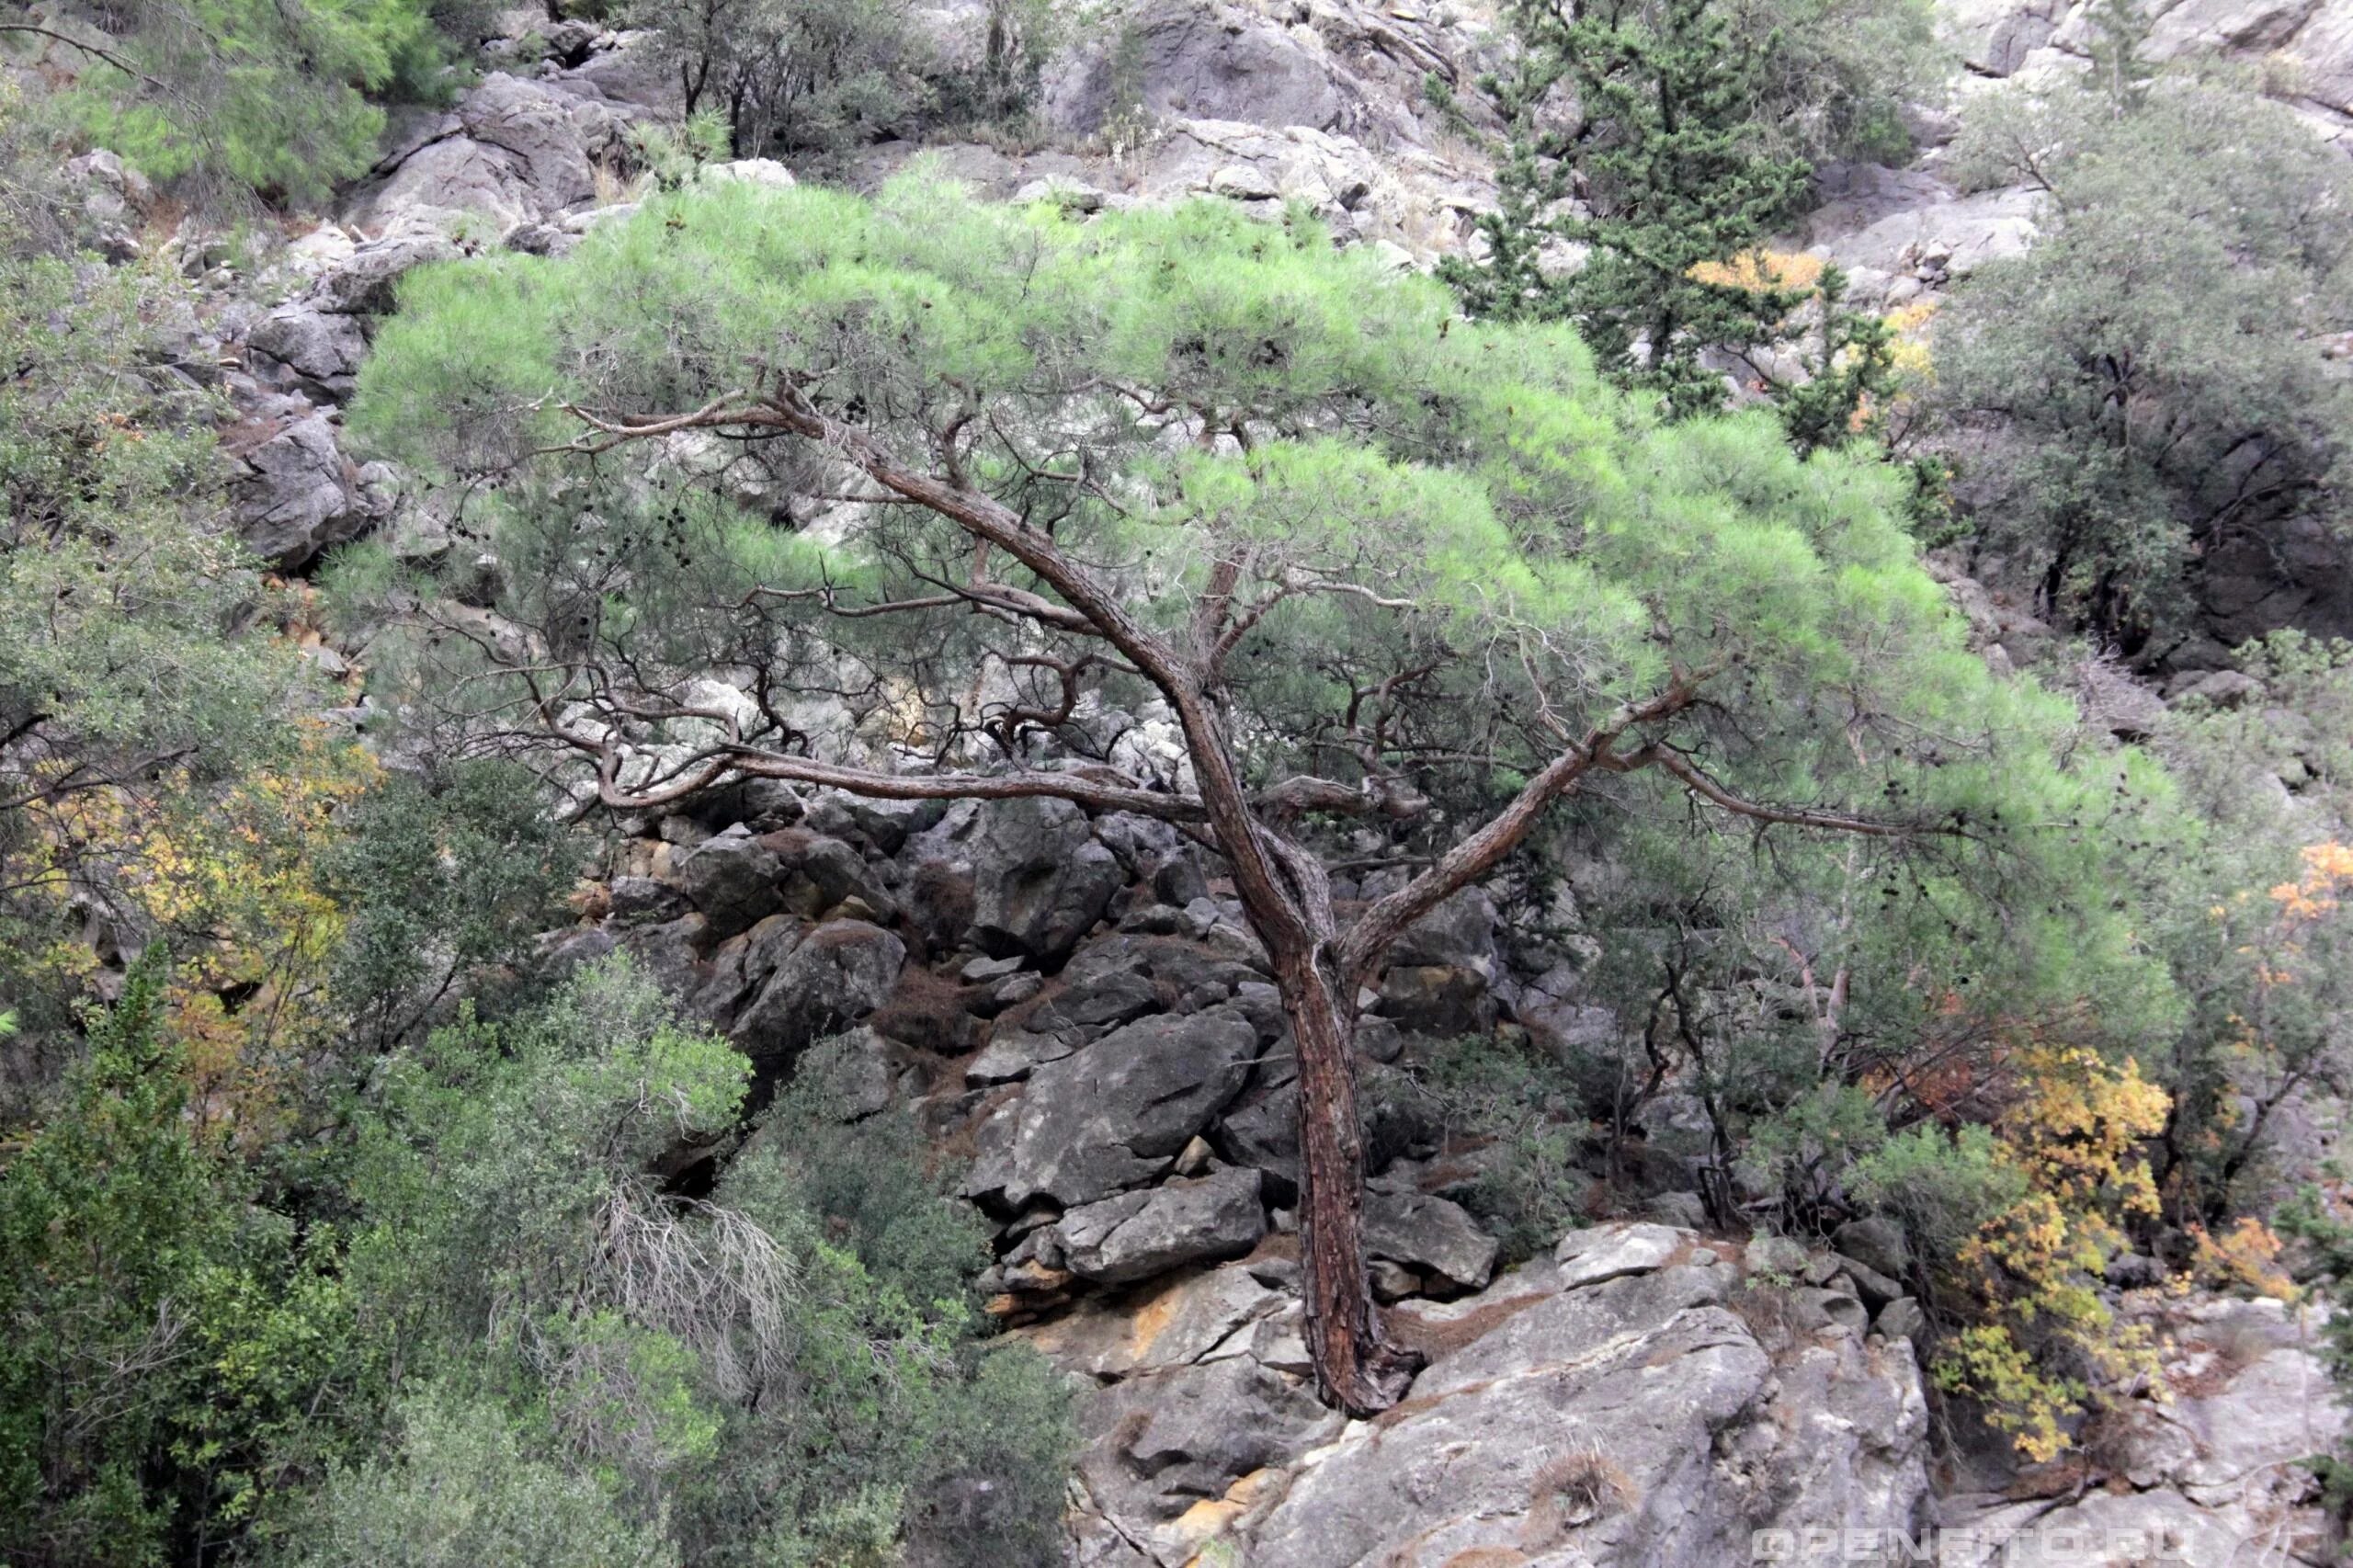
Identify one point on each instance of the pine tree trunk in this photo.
(1356, 1369)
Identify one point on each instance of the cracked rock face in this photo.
(2216, 1475)
(1112, 1115)
(294, 493)
(1138, 1236)
(1039, 879)
(512, 150)
(1627, 1414)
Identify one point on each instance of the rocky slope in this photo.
(1071, 1005)
(1257, 101)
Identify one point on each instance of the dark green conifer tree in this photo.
(1672, 176)
(1675, 158)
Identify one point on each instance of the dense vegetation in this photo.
(347, 1217)
(1686, 140)
(2148, 368)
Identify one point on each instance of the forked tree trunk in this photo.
(1357, 1369)
(1284, 890)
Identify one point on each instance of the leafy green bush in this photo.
(1942, 1186)
(730, 1371)
(164, 1343)
(1507, 1106)
(871, 1179)
(454, 1485)
(440, 880)
(793, 74)
(2147, 372)
(112, 676)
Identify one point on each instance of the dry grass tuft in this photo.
(1581, 1487)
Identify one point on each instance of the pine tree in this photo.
(1400, 575)
(1672, 176)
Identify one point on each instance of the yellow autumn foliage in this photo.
(1909, 352)
(226, 878)
(1762, 272)
(2074, 1135)
(2245, 1259)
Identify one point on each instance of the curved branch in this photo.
(1273, 907)
(117, 61)
(1361, 948)
(1707, 788)
(1097, 794)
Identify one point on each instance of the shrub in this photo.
(793, 74)
(439, 878)
(1513, 1110)
(2146, 372)
(731, 1372)
(164, 1343)
(456, 1486)
(2026, 1216)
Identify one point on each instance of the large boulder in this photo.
(1121, 978)
(1437, 999)
(885, 823)
(513, 150)
(1176, 1324)
(2215, 1466)
(363, 285)
(818, 873)
(1428, 1234)
(1166, 1443)
(1341, 66)
(732, 880)
(1940, 240)
(840, 972)
(1877, 1242)
(1039, 881)
(1617, 1410)
(113, 196)
(314, 342)
(1112, 1115)
(1607, 1251)
(1183, 59)
(321, 350)
(294, 493)
(1459, 933)
(1136, 1235)
(1634, 1420)
(1261, 1131)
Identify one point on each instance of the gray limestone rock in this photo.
(838, 974)
(1111, 1116)
(1136, 1235)
(1430, 1234)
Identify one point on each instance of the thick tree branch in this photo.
(1361, 948)
(1274, 908)
(1096, 794)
